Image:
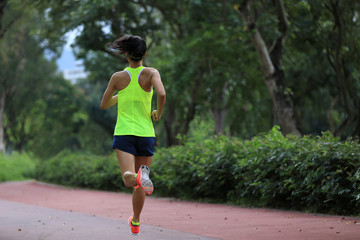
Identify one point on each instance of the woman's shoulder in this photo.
(150, 70)
(120, 75)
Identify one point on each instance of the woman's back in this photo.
(134, 103)
(122, 79)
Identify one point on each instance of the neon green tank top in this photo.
(134, 108)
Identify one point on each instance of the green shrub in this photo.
(320, 174)
(16, 167)
(82, 170)
(196, 171)
(317, 174)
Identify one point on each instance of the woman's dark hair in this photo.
(135, 46)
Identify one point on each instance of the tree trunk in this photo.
(169, 121)
(282, 104)
(2, 8)
(330, 114)
(270, 61)
(219, 117)
(338, 60)
(347, 122)
(219, 111)
(189, 117)
(2, 119)
(175, 126)
(357, 129)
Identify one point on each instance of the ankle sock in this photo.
(135, 223)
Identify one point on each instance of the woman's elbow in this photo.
(162, 95)
(102, 106)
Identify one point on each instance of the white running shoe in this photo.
(144, 181)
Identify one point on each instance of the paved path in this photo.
(26, 222)
(31, 210)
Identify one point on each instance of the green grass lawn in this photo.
(16, 167)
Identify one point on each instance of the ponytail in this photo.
(133, 45)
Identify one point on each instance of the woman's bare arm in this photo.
(109, 99)
(161, 94)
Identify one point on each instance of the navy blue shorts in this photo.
(138, 146)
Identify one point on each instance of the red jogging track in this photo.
(32, 210)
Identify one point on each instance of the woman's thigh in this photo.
(126, 161)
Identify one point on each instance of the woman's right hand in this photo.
(155, 116)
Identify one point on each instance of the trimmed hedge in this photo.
(317, 174)
(83, 170)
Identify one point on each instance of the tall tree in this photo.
(8, 16)
(195, 58)
(35, 99)
(342, 52)
(324, 53)
(203, 47)
(271, 61)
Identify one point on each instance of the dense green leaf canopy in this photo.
(208, 55)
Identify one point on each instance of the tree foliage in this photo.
(302, 75)
(323, 64)
(41, 110)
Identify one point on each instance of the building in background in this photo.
(75, 73)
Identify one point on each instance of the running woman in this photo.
(134, 135)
